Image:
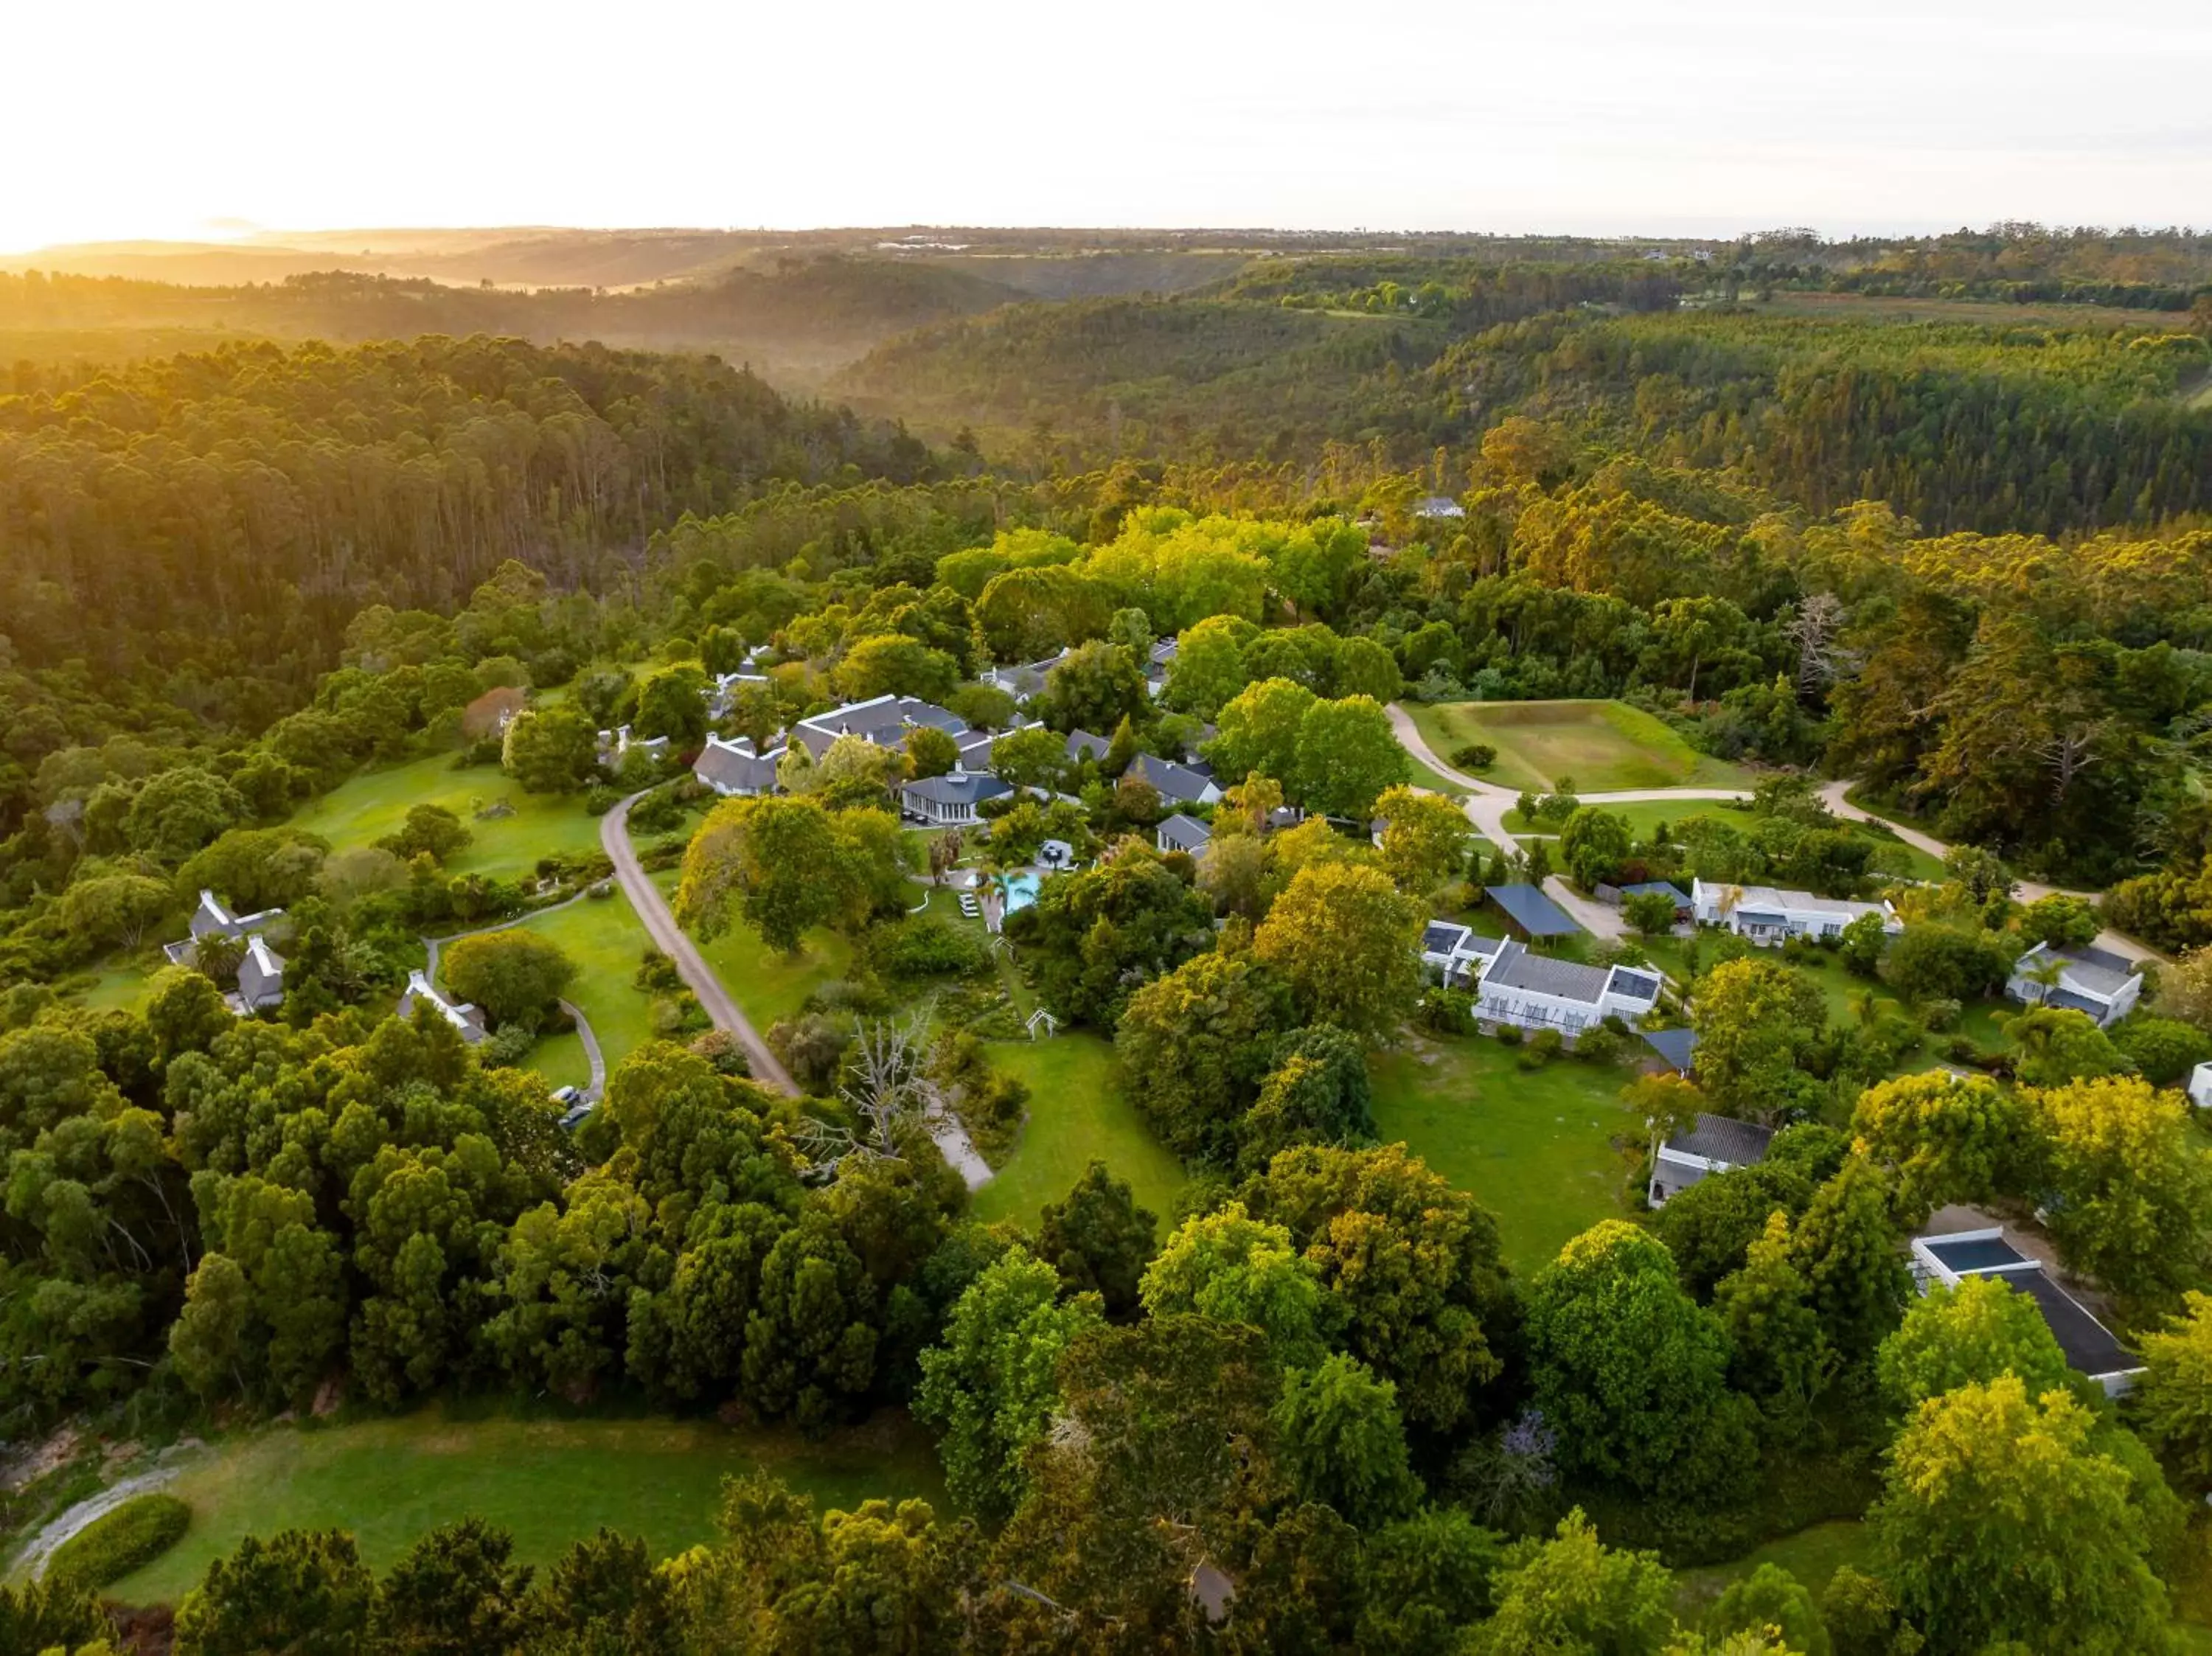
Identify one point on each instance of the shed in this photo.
(1534, 914)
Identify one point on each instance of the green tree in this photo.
(1574, 1593)
(515, 975)
(1847, 1247)
(430, 831)
(989, 1387)
(2173, 1401)
(1778, 1355)
(1968, 1336)
(1425, 839)
(1208, 670)
(1770, 1598)
(1709, 1226)
(551, 750)
(1347, 757)
(1260, 730)
(455, 1593)
(1940, 962)
(1033, 758)
(2130, 1186)
(302, 1591)
(1094, 687)
(1756, 1021)
(1235, 1269)
(2059, 1045)
(1098, 1239)
(1630, 1370)
(786, 865)
(179, 812)
(2000, 1520)
(1366, 668)
(114, 910)
(1650, 913)
(810, 1341)
(673, 703)
(1946, 1137)
(1593, 844)
(1341, 1441)
(2060, 920)
(1347, 943)
(893, 665)
(930, 751)
(1317, 1093)
(1863, 940)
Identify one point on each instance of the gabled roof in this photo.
(1532, 911)
(1182, 833)
(1185, 783)
(734, 765)
(960, 788)
(1678, 1048)
(1085, 744)
(1724, 1138)
(1438, 506)
(883, 719)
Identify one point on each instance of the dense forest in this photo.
(1964, 567)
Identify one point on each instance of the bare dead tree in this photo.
(2068, 753)
(1815, 629)
(885, 1090)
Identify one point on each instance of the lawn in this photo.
(1603, 745)
(605, 939)
(1812, 1556)
(376, 803)
(1422, 777)
(1535, 1147)
(1645, 816)
(551, 1482)
(1077, 1115)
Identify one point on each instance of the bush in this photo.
(600, 799)
(118, 1542)
(1447, 1012)
(659, 812)
(925, 947)
(1543, 1046)
(1474, 756)
(1509, 1035)
(1599, 1044)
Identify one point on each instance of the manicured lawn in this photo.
(1423, 777)
(1077, 1115)
(1535, 1147)
(123, 987)
(1645, 816)
(376, 803)
(605, 940)
(769, 984)
(1812, 1556)
(1603, 745)
(551, 1482)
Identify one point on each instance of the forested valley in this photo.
(1305, 1389)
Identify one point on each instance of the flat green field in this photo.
(1643, 815)
(1535, 1148)
(549, 1482)
(604, 937)
(375, 803)
(1603, 745)
(1812, 1556)
(1077, 1114)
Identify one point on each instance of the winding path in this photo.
(598, 1085)
(1486, 804)
(691, 965)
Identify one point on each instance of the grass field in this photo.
(1643, 815)
(1603, 745)
(605, 940)
(1077, 1114)
(1537, 1148)
(376, 803)
(1812, 1556)
(551, 1482)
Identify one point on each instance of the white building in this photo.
(618, 742)
(1762, 914)
(1715, 1144)
(1456, 954)
(734, 768)
(462, 1015)
(2091, 1347)
(1184, 834)
(2093, 980)
(2200, 1085)
(1535, 992)
(949, 801)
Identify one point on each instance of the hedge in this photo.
(118, 1542)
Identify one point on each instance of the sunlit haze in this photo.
(196, 121)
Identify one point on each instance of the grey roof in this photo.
(884, 720)
(260, 975)
(1679, 1047)
(2069, 1001)
(1637, 986)
(1182, 833)
(1185, 783)
(2090, 1347)
(1724, 1138)
(1163, 651)
(1648, 887)
(736, 767)
(1083, 744)
(1761, 916)
(1515, 967)
(962, 788)
(1532, 911)
(2087, 971)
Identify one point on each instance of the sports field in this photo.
(1603, 745)
(551, 1482)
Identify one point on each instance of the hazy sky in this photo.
(160, 119)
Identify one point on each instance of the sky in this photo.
(164, 120)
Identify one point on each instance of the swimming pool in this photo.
(1021, 890)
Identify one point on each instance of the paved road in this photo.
(1487, 803)
(592, 1054)
(691, 965)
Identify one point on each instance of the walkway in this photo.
(592, 1056)
(950, 1134)
(691, 965)
(598, 1085)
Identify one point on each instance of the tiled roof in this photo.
(1724, 1138)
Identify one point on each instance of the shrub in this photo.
(1543, 1046)
(1598, 1044)
(1474, 756)
(1447, 1012)
(600, 799)
(925, 947)
(118, 1542)
(1509, 1035)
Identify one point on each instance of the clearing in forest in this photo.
(1603, 746)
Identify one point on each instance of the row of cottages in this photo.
(260, 977)
(2092, 980)
(1512, 986)
(1761, 914)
